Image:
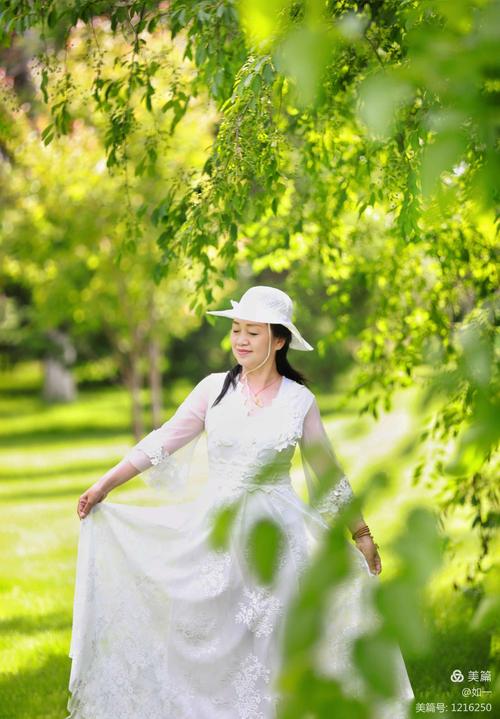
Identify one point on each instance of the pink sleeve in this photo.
(327, 484)
(186, 424)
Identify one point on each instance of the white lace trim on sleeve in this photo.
(153, 454)
(335, 497)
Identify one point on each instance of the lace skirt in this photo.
(167, 627)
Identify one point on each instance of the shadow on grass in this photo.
(52, 472)
(82, 432)
(28, 625)
(73, 491)
(38, 692)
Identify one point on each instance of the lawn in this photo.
(51, 453)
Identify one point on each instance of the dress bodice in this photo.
(233, 432)
(245, 449)
(241, 444)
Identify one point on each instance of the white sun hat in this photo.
(266, 304)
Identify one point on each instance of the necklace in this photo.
(253, 395)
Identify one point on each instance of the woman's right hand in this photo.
(369, 549)
(88, 499)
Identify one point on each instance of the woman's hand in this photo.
(88, 499)
(370, 551)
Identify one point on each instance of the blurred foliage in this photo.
(68, 257)
(391, 620)
(355, 160)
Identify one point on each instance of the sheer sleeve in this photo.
(152, 455)
(327, 485)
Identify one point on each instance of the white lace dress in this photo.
(165, 626)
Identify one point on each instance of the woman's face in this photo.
(250, 342)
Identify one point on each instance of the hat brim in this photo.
(297, 341)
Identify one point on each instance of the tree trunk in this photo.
(134, 384)
(155, 381)
(59, 384)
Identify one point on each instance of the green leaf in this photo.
(52, 18)
(225, 517)
(445, 152)
(49, 130)
(200, 54)
(381, 96)
(268, 73)
(265, 541)
(487, 615)
(303, 56)
(399, 603)
(376, 657)
(421, 547)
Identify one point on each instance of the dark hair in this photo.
(282, 364)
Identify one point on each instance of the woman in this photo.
(165, 626)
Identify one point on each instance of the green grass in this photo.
(49, 454)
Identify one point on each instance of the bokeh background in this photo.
(156, 160)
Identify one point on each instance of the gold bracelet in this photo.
(361, 532)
